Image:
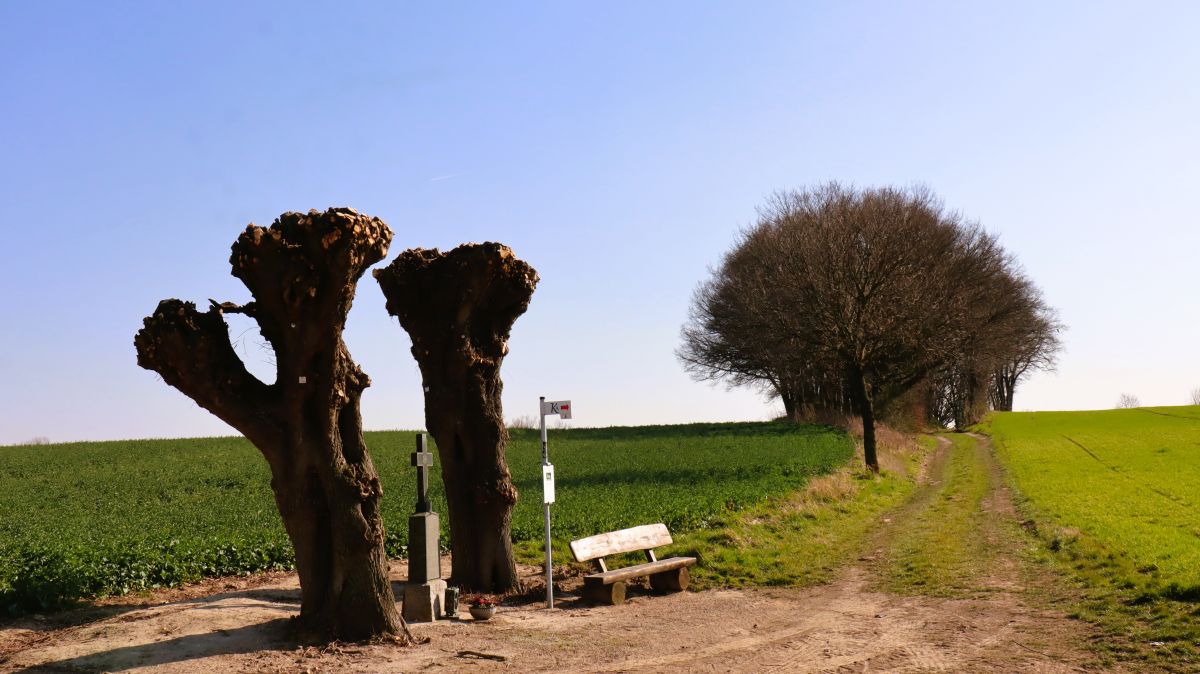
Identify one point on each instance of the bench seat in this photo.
(607, 585)
(639, 570)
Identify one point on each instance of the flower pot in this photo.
(483, 612)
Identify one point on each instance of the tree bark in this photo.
(302, 272)
(459, 307)
(860, 389)
(789, 403)
(1003, 387)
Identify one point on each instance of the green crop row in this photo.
(92, 519)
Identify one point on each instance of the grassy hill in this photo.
(88, 519)
(1114, 495)
(1128, 478)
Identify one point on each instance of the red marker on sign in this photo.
(560, 407)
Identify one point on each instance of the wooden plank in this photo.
(625, 540)
(638, 570)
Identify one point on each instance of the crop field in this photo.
(91, 519)
(1126, 480)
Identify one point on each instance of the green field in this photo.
(90, 519)
(1128, 478)
(1113, 495)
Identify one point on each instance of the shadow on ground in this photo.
(273, 634)
(248, 639)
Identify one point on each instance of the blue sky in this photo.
(618, 147)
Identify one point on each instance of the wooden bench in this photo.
(609, 586)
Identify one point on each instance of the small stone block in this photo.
(424, 561)
(424, 602)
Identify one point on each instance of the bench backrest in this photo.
(626, 540)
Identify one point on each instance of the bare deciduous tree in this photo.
(459, 307)
(1007, 331)
(842, 297)
(1035, 347)
(302, 272)
(525, 422)
(1195, 397)
(858, 285)
(1128, 401)
(728, 338)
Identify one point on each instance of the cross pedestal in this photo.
(425, 592)
(425, 602)
(424, 562)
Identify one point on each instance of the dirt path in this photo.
(897, 609)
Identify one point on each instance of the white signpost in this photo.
(563, 409)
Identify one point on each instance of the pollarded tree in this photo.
(458, 308)
(302, 272)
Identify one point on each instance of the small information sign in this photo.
(563, 409)
(560, 407)
(548, 483)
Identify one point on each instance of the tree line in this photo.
(871, 302)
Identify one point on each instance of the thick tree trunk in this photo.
(458, 308)
(302, 272)
(331, 511)
(860, 389)
(977, 387)
(479, 488)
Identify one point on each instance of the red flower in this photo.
(482, 601)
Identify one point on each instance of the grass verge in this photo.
(804, 538)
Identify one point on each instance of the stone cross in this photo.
(423, 460)
(426, 591)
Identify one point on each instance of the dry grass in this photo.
(893, 448)
(805, 538)
(897, 452)
(829, 488)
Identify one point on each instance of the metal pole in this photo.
(546, 508)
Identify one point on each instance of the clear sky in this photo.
(618, 147)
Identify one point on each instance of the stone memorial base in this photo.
(425, 602)
(424, 561)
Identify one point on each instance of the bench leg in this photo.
(673, 580)
(613, 593)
